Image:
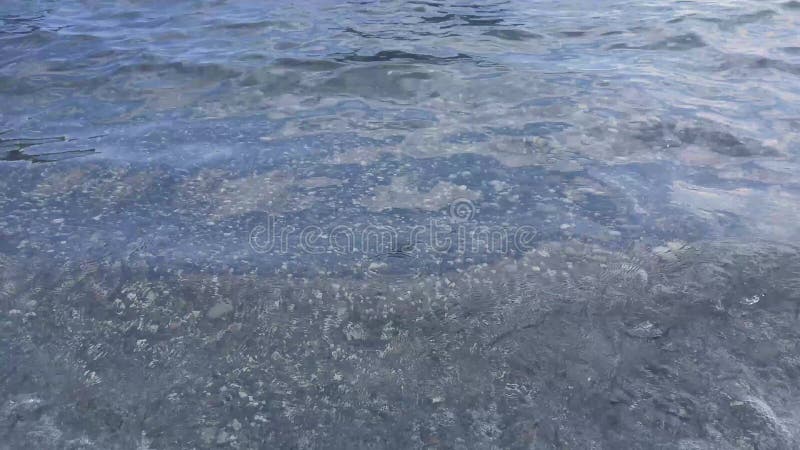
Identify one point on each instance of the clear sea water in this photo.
(386, 224)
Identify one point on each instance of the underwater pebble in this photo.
(219, 310)
(222, 437)
(645, 330)
(749, 301)
(376, 266)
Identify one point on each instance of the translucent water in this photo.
(424, 224)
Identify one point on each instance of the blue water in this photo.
(352, 216)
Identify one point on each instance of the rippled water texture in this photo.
(650, 149)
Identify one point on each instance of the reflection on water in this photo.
(650, 148)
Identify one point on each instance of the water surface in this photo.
(649, 150)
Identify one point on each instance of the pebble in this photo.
(375, 266)
(208, 434)
(219, 310)
(749, 301)
(645, 330)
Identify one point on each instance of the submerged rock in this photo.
(219, 310)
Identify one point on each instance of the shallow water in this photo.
(399, 224)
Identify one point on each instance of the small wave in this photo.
(314, 65)
(718, 141)
(736, 21)
(394, 55)
(210, 71)
(481, 21)
(14, 149)
(255, 25)
(572, 34)
(440, 19)
(681, 42)
(17, 24)
(513, 35)
(738, 62)
(532, 129)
